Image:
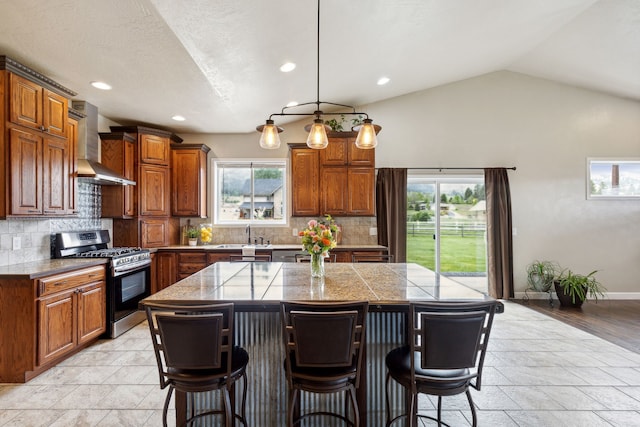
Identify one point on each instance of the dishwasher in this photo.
(284, 255)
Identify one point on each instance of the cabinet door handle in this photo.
(33, 211)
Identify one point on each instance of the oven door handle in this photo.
(117, 271)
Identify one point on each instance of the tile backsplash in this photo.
(35, 233)
(355, 231)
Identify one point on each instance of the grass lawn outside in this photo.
(465, 255)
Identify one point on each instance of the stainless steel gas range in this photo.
(128, 274)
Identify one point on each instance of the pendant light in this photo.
(317, 138)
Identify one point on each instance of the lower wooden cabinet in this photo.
(165, 271)
(47, 319)
(70, 318)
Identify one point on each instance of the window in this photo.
(249, 192)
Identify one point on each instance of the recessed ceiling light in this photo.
(178, 118)
(101, 85)
(292, 104)
(383, 81)
(287, 66)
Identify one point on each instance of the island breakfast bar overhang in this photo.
(257, 288)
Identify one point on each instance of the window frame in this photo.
(253, 163)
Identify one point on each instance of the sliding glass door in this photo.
(446, 225)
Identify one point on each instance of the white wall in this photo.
(545, 129)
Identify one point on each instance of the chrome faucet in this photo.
(248, 231)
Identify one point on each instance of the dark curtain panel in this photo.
(391, 209)
(499, 233)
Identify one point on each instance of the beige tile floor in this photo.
(539, 372)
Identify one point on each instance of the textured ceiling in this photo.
(216, 62)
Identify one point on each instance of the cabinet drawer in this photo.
(200, 257)
(190, 268)
(72, 279)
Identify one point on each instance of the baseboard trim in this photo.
(607, 295)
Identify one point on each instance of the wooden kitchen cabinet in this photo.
(154, 191)
(119, 154)
(356, 198)
(34, 146)
(348, 191)
(361, 184)
(165, 263)
(56, 177)
(154, 149)
(46, 319)
(342, 151)
(25, 164)
(190, 262)
(152, 224)
(189, 180)
(338, 180)
(71, 312)
(36, 107)
(305, 181)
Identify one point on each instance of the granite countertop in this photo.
(225, 247)
(47, 267)
(262, 285)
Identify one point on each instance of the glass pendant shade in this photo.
(269, 138)
(366, 138)
(318, 135)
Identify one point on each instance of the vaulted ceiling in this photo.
(216, 62)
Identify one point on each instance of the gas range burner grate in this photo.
(110, 252)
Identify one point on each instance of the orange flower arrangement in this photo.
(319, 236)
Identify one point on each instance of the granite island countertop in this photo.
(260, 286)
(47, 267)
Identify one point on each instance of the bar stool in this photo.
(194, 351)
(447, 345)
(324, 345)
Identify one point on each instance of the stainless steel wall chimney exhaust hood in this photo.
(89, 168)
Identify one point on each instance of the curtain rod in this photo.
(456, 168)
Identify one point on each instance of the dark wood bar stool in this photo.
(194, 350)
(447, 345)
(324, 346)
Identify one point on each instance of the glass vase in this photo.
(317, 265)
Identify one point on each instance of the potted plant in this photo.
(541, 274)
(572, 289)
(338, 125)
(192, 235)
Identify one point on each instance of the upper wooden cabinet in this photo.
(34, 144)
(305, 181)
(153, 144)
(337, 180)
(154, 149)
(36, 107)
(154, 190)
(343, 152)
(189, 180)
(119, 154)
(149, 224)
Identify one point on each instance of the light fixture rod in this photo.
(318, 60)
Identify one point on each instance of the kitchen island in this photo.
(257, 288)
